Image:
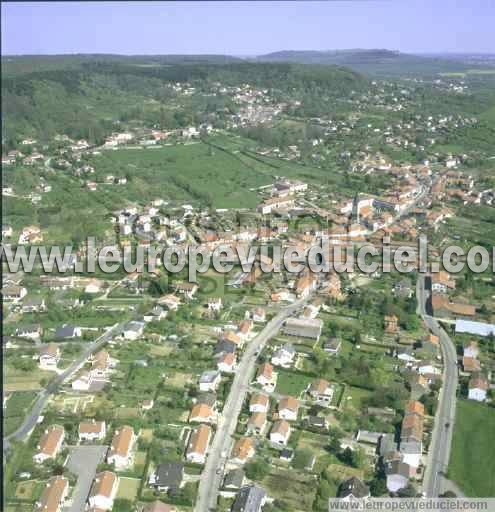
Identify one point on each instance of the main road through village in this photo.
(211, 478)
(441, 438)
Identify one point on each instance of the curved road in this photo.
(220, 448)
(30, 421)
(441, 439)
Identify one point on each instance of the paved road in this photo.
(220, 449)
(83, 461)
(441, 440)
(30, 421)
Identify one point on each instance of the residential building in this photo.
(257, 423)
(284, 356)
(288, 408)
(280, 432)
(209, 380)
(197, 447)
(242, 450)
(250, 498)
(49, 357)
(202, 413)
(303, 327)
(477, 388)
(53, 495)
(167, 476)
(266, 377)
(259, 403)
(92, 430)
(121, 449)
(321, 391)
(398, 474)
(353, 488)
(226, 363)
(50, 444)
(103, 490)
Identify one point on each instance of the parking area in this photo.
(83, 461)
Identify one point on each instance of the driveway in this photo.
(83, 461)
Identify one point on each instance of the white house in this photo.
(209, 380)
(197, 447)
(259, 403)
(103, 490)
(53, 496)
(92, 430)
(133, 330)
(478, 387)
(288, 408)
(284, 356)
(280, 432)
(121, 450)
(49, 357)
(50, 444)
(266, 377)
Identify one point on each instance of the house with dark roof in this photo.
(250, 498)
(168, 476)
(353, 488)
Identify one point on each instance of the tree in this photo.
(257, 469)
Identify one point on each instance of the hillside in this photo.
(376, 61)
(85, 96)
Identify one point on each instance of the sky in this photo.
(247, 28)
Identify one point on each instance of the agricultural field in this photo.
(472, 459)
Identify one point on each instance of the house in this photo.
(53, 495)
(67, 331)
(353, 488)
(332, 346)
(82, 382)
(158, 506)
(92, 430)
(387, 445)
(226, 363)
(441, 282)
(197, 447)
(406, 354)
(286, 454)
(245, 328)
(209, 380)
(168, 476)
(305, 284)
(202, 413)
(477, 388)
(418, 385)
(133, 330)
(431, 344)
(284, 356)
(102, 364)
(250, 498)
(231, 336)
(155, 315)
(257, 423)
(303, 327)
(214, 303)
(13, 292)
(398, 474)
(170, 301)
(403, 289)
(49, 357)
(391, 324)
(49, 444)
(280, 432)
(259, 403)
(470, 364)
(93, 286)
(317, 422)
(31, 331)
(266, 377)
(471, 349)
(147, 404)
(234, 480)
(186, 289)
(224, 347)
(321, 391)
(34, 305)
(242, 450)
(443, 308)
(103, 490)
(120, 453)
(411, 435)
(259, 315)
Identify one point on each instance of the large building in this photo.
(303, 327)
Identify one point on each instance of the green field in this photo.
(291, 382)
(472, 462)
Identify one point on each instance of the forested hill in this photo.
(84, 98)
(376, 62)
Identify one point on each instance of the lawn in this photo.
(291, 382)
(128, 488)
(17, 407)
(472, 461)
(295, 489)
(17, 380)
(354, 395)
